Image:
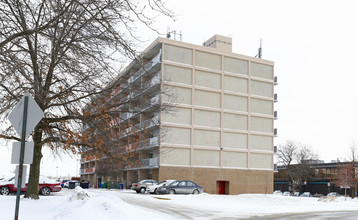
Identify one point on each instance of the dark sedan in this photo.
(180, 187)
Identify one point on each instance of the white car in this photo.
(286, 193)
(277, 192)
(153, 188)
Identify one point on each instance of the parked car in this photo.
(46, 186)
(306, 194)
(286, 193)
(277, 192)
(296, 194)
(180, 187)
(333, 194)
(63, 183)
(141, 186)
(153, 189)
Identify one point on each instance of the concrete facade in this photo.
(220, 124)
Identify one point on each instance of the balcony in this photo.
(153, 81)
(151, 102)
(275, 82)
(125, 115)
(150, 122)
(146, 68)
(87, 170)
(150, 162)
(275, 115)
(275, 132)
(275, 98)
(150, 143)
(88, 159)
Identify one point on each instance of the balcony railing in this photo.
(146, 68)
(150, 162)
(149, 143)
(275, 97)
(150, 122)
(88, 170)
(152, 102)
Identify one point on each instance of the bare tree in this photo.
(296, 158)
(62, 52)
(345, 177)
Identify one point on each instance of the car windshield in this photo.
(162, 183)
(174, 183)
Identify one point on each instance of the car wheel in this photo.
(156, 192)
(171, 191)
(4, 191)
(196, 192)
(142, 190)
(45, 191)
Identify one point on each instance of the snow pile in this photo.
(121, 204)
(80, 194)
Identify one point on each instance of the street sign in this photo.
(16, 150)
(23, 177)
(24, 117)
(34, 112)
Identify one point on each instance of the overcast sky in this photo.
(314, 47)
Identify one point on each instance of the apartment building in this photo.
(218, 129)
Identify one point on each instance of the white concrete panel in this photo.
(264, 161)
(207, 138)
(261, 124)
(234, 140)
(177, 74)
(209, 99)
(173, 94)
(234, 121)
(261, 88)
(233, 102)
(206, 79)
(260, 142)
(235, 84)
(206, 158)
(207, 118)
(261, 106)
(178, 54)
(235, 65)
(174, 156)
(261, 70)
(177, 115)
(208, 60)
(234, 159)
(173, 135)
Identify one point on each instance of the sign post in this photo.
(19, 119)
(22, 151)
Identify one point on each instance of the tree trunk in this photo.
(32, 191)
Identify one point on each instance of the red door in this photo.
(221, 187)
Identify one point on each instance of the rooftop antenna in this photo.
(175, 34)
(259, 55)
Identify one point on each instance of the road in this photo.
(344, 215)
(175, 211)
(179, 212)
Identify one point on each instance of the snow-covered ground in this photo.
(110, 204)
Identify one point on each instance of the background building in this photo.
(218, 130)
